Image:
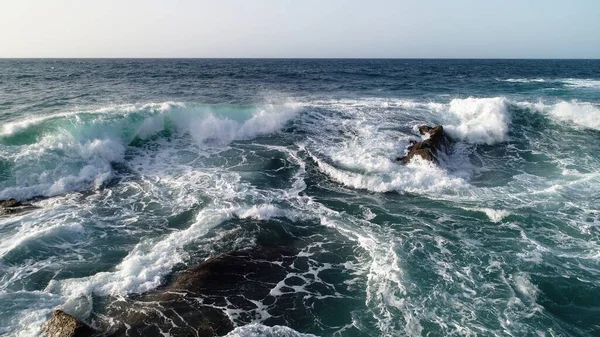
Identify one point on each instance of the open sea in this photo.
(141, 169)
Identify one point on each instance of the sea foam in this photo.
(582, 114)
(260, 330)
(479, 120)
(77, 150)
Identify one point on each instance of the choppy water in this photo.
(150, 166)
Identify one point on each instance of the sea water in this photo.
(140, 169)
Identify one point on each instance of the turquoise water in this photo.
(143, 168)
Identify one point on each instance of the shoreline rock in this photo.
(62, 324)
(428, 148)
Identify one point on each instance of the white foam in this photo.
(582, 114)
(30, 230)
(568, 82)
(260, 330)
(493, 214)
(15, 127)
(95, 156)
(29, 322)
(581, 83)
(524, 286)
(265, 212)
(145, 266)
(207, 124)
(525, 80)
(385, 289)
(11, 128)
(479, 120)
(418, 176)
(80, 158)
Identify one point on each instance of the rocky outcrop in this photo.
(62, 324)
(427, 149)
(195, 301)
(235, 270)
(13, 206)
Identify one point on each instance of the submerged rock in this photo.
(428, 148)
(62, 324)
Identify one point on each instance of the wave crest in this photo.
(75, 151)
(582, 114)
(479, 120)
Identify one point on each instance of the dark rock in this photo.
(10, 203)
(62, 324)
(427, 149)
(194, 303)
(12, 206)
(232, 270)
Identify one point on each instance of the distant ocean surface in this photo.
(142, 169)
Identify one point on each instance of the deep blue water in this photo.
(141, 169)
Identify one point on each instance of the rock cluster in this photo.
(427, 149)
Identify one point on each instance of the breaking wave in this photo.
(480, 120)
(583, 114)
(66, 152)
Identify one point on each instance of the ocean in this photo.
(282, 174)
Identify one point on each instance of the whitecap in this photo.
(479, 120)
(583, 114)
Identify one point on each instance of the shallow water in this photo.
(148, 167)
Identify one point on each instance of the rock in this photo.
(428, 148)
(232, 270)
(62, 324)
(12, 206)
(10, 203)
(195, 301)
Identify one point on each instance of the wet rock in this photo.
(13, 206)
(195, 302)
(427, 149)
(10, 203)
(62, 324)
(234, 270)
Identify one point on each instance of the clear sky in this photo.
(301, 28)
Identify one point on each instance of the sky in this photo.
(300, 29)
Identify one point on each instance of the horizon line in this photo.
(296, 58)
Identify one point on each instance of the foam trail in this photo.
(260, 330)
(525, 80)
(479, 120)
(417, 177)
(146, 265)
(581, 83)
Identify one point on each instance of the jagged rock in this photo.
(428, 148)
(62, 324)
